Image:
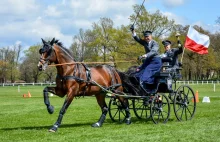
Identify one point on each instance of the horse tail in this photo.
(129, 82)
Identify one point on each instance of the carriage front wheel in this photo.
(116, 111)
(184, 103)
(141, 108)
(160, 108)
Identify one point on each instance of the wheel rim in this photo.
(160, 109)
(184, 103)
(116, 111)
(141, 110)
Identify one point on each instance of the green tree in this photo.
(29, 67)
(80, 46)
(9, 58)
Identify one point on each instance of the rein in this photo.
(91, 63)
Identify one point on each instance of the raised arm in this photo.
(178, 50)
(135, 36)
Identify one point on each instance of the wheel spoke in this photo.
(122, 112)
(178, 109)
(189, 111)
(114, 108)
(162, 115)
(182, 113)
(188, 92)
(186, 114)
(116, 113)
(158, 117)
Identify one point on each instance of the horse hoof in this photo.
(50, 109)
(128, 121)
(96, 125)
(53, 129)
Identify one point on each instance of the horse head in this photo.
(47, 53)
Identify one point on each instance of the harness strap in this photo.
(80, 80)
(88, 72)
(88, 76)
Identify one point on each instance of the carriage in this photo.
(157, 104)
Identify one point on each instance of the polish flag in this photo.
(197, 42)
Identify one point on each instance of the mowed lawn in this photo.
(26, 119)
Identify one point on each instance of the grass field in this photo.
(26, 119)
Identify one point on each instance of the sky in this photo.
(25, 22)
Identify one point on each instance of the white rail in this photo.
(26, 84)
(199, 82)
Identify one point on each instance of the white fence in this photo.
(27, 84)
(198, 82)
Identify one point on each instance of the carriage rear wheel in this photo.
(184, 103)
(160, 108)
(141, 108)
(116, 111)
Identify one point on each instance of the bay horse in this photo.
(76, 79)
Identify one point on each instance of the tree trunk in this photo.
(190, 74)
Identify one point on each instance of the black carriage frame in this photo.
(157, 105)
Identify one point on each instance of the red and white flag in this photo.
(197, 42)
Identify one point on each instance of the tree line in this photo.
(105, 42)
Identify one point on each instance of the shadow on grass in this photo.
(46, 127)
(136, 120)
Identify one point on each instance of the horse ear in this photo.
(43, 41)
(52, 42)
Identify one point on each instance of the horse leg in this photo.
(66, 104)
(125, 105)
(50, 108)
(101, 101)
(55, 91)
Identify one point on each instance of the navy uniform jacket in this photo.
(173, 53)
(151, 48)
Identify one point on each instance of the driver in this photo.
(172, 53)
(152, 64)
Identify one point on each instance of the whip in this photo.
(138, 12)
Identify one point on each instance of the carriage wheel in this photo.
(184, 103)
(160, 109)
(141, 108)
(116, 111)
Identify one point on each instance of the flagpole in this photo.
(178, 40)
(182, 55)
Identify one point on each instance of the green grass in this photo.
(26, 119)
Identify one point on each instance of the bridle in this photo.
(45, 61)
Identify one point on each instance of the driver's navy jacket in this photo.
(173, 53)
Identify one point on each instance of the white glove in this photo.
(144, 56)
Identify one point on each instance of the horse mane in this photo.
(60, 44)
